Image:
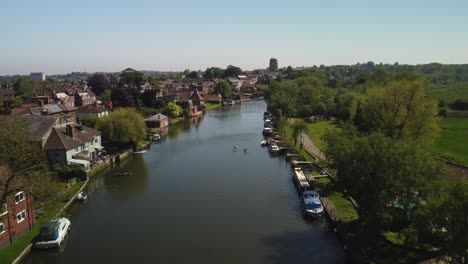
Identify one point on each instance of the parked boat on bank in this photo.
(310, 204)
(274, 149)
(53, 233)
(300, 180)
(82, 196)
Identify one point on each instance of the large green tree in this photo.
(442, 221)
(174, 110)
(132, 78)
(401, 109)
(122, 126)
(23, 88)
(21, 161)
(382, 172)
(99, 83)
(224, 89)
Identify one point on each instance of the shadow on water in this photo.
(305, 246)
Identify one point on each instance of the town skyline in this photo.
(58, 37)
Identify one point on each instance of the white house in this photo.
(73, 144)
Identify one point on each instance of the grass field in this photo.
(452, 143)
(451, 92)
(344, 206)
(210, 106)
(316, 130)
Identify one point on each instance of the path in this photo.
(309, 146)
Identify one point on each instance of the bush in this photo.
(459, 104)
(67, 173)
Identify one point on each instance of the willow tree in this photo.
(122, 126)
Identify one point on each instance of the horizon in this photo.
(58, 38)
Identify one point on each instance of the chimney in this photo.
(69, 130)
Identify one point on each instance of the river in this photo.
(193, 199)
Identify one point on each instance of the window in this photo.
(19, 197)
(2, 228)
(21, 216)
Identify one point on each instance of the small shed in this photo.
(157, 121)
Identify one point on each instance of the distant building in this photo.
(157, 121)
(37, 76)
(273, 65)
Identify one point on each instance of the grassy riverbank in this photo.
(317, 130)
(209, 106)
(344, 206)
(453, 139)
(49, 211)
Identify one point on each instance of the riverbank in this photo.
(14, 252)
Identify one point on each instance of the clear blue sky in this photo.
(63, 36)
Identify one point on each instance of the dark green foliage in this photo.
(459, 104)
(193, 75)
(148, 98)
(213, 72)
(132, 78)
(122, 97)
(232, 71)
(224, 89)
(69, 172)
(23, 88)
(99, 82)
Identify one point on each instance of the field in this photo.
(316, 130)
(451, 92)
(452, 143)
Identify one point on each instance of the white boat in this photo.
(274, 149)
(157, 137)
(140, 152)
(263, 143)
(311, 204)
(53, 233)
(267, 130)
(82, 196)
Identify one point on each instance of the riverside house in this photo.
(73, 144)
(16, 217)
(157, 121)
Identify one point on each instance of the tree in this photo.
(193, 75)
(442, 221)
(224, 89)
(400, 109)
(23, 88)
(148, 98)
(99, 83)
(20, 160)
(297, 128)
(232, 71)
(214, 72)
(379, 172)
(132, 78)
(122, 98)
(122, 126)
(174, 110)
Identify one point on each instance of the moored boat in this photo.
(274, 149)
(53, 233)
(311, 205)
(82, 196)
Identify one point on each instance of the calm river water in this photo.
(192, 199)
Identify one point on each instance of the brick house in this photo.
(157, 121)
(16, 217)
(92, 110)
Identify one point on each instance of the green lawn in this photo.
(452, 143)
(344, 207)
(209, 106)
(451, 92)
(316, 130)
